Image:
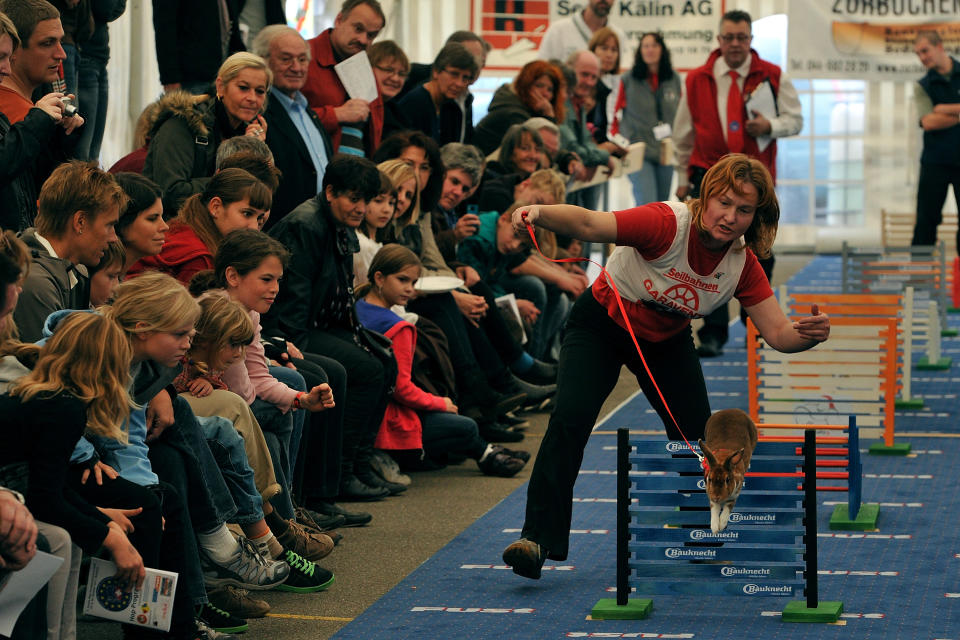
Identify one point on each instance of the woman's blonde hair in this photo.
(152, 301)
(222, 322)
(399, 172)
(239, 61)
(89, 357)
(729, 173)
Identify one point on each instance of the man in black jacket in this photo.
(301, 147)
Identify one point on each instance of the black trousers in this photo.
(716, 325)
(32, 623)
(931, 194)
(594, 348)
(166, 547)
(317, 474)
(366, 394)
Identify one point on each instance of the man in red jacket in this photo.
(712, 121)
(354, 125)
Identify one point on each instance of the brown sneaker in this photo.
(305, 542)
(238, 602)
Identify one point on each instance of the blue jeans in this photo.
(450, 433)
(93, 93)
(652, 182)
(277, 430)
(227, 447)
(71, 65)
(293, 379)
(552, 303)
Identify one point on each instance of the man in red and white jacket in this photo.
(712, 121)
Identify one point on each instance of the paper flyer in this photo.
(357, 77)
(17, 588)
(151, 606)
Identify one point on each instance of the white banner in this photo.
(866, 39)
(515, 27)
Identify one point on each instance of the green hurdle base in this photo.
(924, 363)
(916, 402)
(635, 609)
(866, 519)
(948, 333)
(953, 309)
(896, 449)
(797, 611)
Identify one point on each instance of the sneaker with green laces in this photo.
(305, 576)
(221, 620)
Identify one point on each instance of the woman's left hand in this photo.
(257, 128)
(814, 327)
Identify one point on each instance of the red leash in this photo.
(626, 321)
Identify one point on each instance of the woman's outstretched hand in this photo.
(814, 327)
(522, 216)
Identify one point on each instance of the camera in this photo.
(69, 106)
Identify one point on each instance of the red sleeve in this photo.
(407, 393)
(649, 228)
(188, 269)
(753, 287)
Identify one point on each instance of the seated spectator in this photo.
(315, 308)
(521, 152)
(463, 168)
(378, 215)
(420, 152)
(78, 208)
(106, 275)
(35, 137)
(77, 385)
(232, 199)
(255, 258)
(300, 144)
(391, 68)
(188, 130)
(538, 90)
(566, 162)
(575, 135)
(253, 156)
(415, 419)
(355, 126)
(425, 107)
(141, 227)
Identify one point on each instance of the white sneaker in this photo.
(246, 569)
(387, 468)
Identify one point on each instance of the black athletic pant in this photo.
(366, 398)
(317, 474)
(594, 348)
(931, 194)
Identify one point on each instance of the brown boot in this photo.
(310, 544)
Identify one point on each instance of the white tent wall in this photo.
(891, 138)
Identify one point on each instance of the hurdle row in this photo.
(665, 543)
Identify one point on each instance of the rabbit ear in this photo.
(711, 459)
(734, 459)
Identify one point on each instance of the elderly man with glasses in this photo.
(714, 118)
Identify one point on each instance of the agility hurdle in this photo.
(838, 464)
(665, 543)
(916, 326)
(854, 373)
(891, 269)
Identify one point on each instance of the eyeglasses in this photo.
(739, 37)
(459, 76)
(390, 71)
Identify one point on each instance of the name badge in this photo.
(662, 130)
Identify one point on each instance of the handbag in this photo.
(382, 349)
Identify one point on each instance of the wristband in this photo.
(296, 400)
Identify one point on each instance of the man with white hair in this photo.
(574, 134)
(300, 145)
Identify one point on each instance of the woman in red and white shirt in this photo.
(675, 262)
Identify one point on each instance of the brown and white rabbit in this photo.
(731, 438)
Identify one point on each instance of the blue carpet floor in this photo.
(899, 582)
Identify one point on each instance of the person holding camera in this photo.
(35, 137)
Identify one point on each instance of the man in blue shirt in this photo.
(299, 143)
